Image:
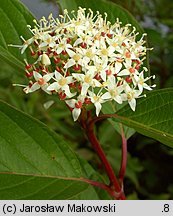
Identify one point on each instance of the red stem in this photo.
(114, 184)
(124, 145)
(124, 156)
(102, 186)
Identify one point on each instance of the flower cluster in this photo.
(86, 60)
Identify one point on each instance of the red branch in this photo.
(124, 156)
(114, 183)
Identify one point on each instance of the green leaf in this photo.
(30, 187)
(109, 108)
(36, 163)
(153, 116)
(13, 23)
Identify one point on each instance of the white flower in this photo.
(84, 41)
(93, 60)
(97, 100)
(113, 90)
(99, 68)
(140, 81)
(105, 52)
(62, 46)
(41, 82)
(88, 54)
(74, 60)
(77, 26)
(26, 44)
(129, 69)
(47, 40)
(76, 106)
(86, 81)
(130, 95)
(62, 83)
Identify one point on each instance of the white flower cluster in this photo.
(86, 60)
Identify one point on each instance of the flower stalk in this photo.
(124, 156)
(115, 187)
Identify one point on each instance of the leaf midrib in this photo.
(147, 127)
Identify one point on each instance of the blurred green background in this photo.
(150, 164)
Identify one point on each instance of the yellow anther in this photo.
(76, 57)
(62, 82)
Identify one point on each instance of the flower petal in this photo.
(78, 41)
(111, 82)
(118, 99)
(103, 75)
(140, 87)
(71, 103)
(34, 87)
(132, 104)
(84, 89)
(48, 76)
(76, 113)
(106, 96)
(147, 87)
(58, 76)
(70, 52)
(124, 72)
(118, 67)
(67, 91)
(78, 77)
(44, 88)
(70, 63)
(48, 104)
(24, 48)
(53, 87)
(37, 76)
(26, 89)
(69, 79)
(96, 83)
(98, 107)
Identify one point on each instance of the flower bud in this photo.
(45, 60)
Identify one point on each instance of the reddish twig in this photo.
(124, 156)
(115, 187)
(105, 187)
(124, 144)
